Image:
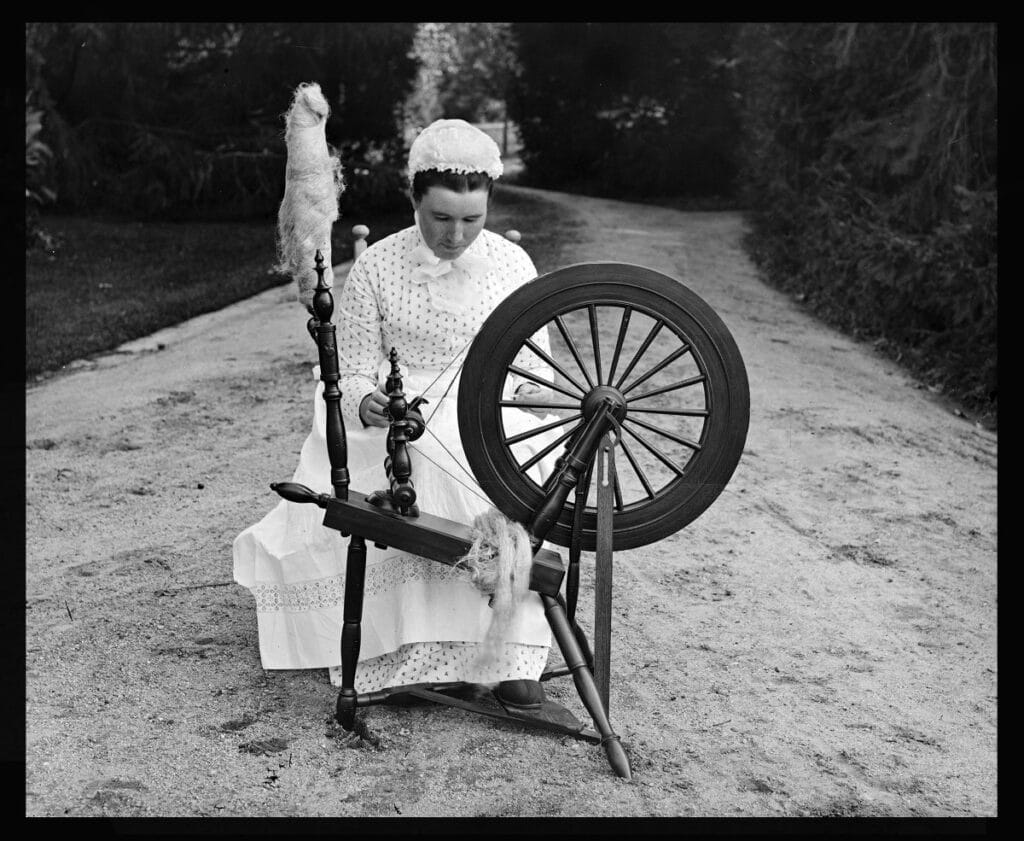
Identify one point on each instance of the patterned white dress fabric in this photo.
(422, 621)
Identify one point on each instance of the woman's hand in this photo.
(372, 408)
(533, 393)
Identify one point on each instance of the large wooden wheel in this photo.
(614, 330)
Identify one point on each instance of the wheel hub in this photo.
(597, 395)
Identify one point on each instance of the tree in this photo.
(183, 117)
(464, 72)
(486, 61)
(627, 108)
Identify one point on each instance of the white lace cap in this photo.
(455, 146)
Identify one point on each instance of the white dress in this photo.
(422, 621)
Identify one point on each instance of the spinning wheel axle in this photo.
(602, 394)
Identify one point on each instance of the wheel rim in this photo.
(624, 331)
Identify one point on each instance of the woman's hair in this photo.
(459, 182)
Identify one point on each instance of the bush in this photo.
(870, 168)
(37, 191)
(372, 189)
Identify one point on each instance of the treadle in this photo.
(583, 733)
(439, 694)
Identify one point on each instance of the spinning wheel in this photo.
(673, 397)
(643, 341)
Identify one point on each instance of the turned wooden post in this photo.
(398, 465)
(337, 452)
(554, 609)
(359, 235)
(351, 630)
(337, 448)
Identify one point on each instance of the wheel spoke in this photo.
(668, 360)
(572, 349)
(530, 404)
(595, 336)
(636, 468)
(529, 375)
(643, 348)
(623, 326)
(537, 350)
(690, 413)
(658, 454)
(523, 436)
(693, 445)
(681, 384)
(538, 456)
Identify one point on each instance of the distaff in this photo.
(313, 185)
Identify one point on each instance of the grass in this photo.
(110, 280)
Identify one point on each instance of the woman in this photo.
(424, 291)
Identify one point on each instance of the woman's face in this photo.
(450, 221)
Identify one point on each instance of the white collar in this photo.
(427, 265)
(459, 288)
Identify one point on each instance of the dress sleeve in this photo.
(524, 272)
(359, 340)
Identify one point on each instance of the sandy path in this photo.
(821, 642)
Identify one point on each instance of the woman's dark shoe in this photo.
(525, 699)
(520, 694)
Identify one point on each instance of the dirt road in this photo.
(822, 641)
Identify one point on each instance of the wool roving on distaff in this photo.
(313, 183)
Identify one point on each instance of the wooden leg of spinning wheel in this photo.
(584, 644)
(355, 573)
(585, 685)
(603, 571)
